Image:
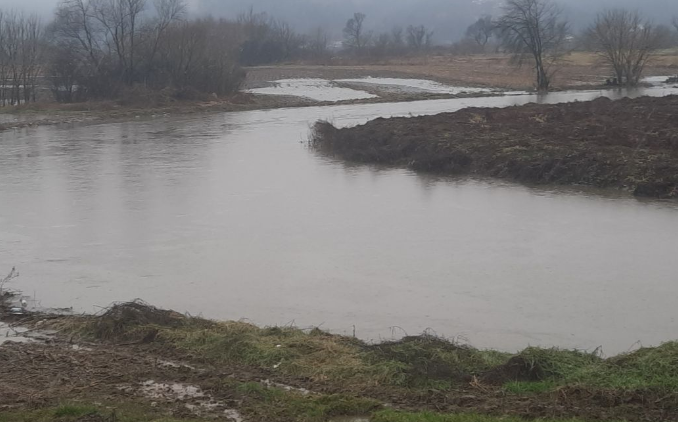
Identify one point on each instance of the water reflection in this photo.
(232, 216)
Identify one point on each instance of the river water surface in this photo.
(232, 216)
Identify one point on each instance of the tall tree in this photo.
(481, 31)
(419, 37)
(626, 41)
(356, 37)
(534, 29)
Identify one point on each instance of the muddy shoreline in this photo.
(627, 144)
(455, 71)
(107, 112)
(165, 364)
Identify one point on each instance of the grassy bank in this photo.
(626, 144)
(288, 374)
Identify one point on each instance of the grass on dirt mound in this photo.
(414, 362)
(629, 144)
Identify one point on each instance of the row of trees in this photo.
(97, 48)
(360, 41)
(536, 31)
(104, 48)
(20, 57)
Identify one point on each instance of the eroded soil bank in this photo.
(135, 362)
(630, 144)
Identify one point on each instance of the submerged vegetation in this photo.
(289, 374)
(627, 144)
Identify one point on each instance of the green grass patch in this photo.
(542, 370)
(268, 403)
(75, 411)
(416, 363)
(393, 416)
(545, 364)
(647, 368)
(429, 361)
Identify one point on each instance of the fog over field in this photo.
(448, 18)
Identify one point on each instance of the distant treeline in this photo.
(118, 49)
(112, 49)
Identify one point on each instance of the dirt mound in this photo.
(628, 144)
(134, 320)
(535, 364)
(426, 357)
(518, 368)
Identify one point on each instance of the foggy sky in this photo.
(448, 18)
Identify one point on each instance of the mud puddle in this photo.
(194, 399)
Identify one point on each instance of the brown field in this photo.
(491, 70)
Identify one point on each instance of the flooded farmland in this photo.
(232, 216)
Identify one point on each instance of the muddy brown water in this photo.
(232, 216)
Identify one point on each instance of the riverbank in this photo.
(627, 144)
(580, 71)
(134, 362)
(96, 112)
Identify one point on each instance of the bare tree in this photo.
(11, 276)
(74, 23)
(317, 42)
(21, 48)
(481, 31)
(287, 38)
(382, 44)
(120, 18)
(534, 29)
(419, 37)
(626, 41)
(168, 12)
(397, 38)
(355, 36)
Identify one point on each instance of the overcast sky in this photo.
(448, 18)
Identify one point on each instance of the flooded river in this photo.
(232, 216)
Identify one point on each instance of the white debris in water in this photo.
(656, 80)
(198, 401)
(314, 89)
(418, 85)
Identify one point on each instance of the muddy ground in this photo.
(626, 144)
(135, 356)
